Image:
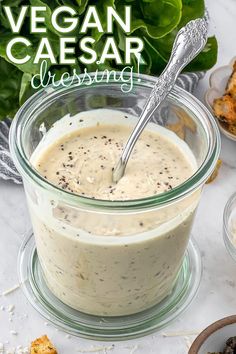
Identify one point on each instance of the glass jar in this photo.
(112, 258)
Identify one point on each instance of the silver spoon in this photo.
(189, 42)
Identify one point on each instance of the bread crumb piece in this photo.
(42, 345)
(180, 334)
(11, 308)
(96, 349)
(133, 350)
(14, 333)
(10, 351)
(11, 290)
(1, 348)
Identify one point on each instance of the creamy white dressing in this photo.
(110, 262)
(82, 160)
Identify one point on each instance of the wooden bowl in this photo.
(214, 337)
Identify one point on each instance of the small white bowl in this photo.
(214, 337)
(218, 82)
(229, 226)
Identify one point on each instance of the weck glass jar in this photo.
(112, 258)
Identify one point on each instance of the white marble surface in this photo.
(217, 295)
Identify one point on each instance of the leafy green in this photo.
(155, 21)
(155, 58)
(10, 84)
(191, 9)
(101, 6)
(82, 5)
(19, 51)
(204, 60)
(25, 88)
(156, 18)
(47, 14)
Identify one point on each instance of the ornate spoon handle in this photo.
(189, 42)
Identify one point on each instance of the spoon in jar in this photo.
(189, 42)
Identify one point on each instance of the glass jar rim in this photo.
(51, 93)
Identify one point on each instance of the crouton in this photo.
(177, 128)
(225, 109)
(42, 345)
(231, 86)
(232, 129)
(185, 119)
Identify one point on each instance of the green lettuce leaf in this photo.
(156, 18)
(101, 6)
(10, 84)
(157, 61)
(207, 58)
(155, 21)
(15, 7)
(82, 4)
(47, 14)
(26, 89)
(20, 50)
(191, 9)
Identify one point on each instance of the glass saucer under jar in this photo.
(83, 325)
(83, 263)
